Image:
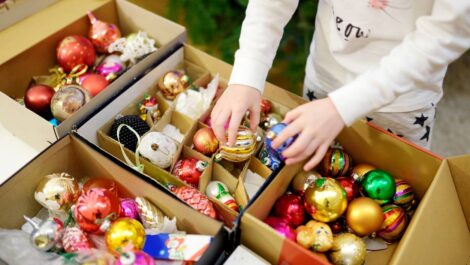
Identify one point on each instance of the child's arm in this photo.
(261, 33)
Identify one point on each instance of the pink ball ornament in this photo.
(129, 208)
(135, 258)
(282, 227)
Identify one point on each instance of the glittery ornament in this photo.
(269, 159)
(75, 240)
(95, 209)
(75, 50)
(360, 170)
(205, 141)
(195, 199)
(68, 100)
(378, 185)
(129, 208)
(135, 258)
(290, 208)
(325, 200)
(38, 99)
(315, 235)
(364, 216)
(150, 215)
(282, 227)
(47, 234)
(242, 150)
(303, 180)
(273, 132)
(149, 107)
(158, 148)
(219, 191)
(111, 67)
(403, 193)
(102, 34)
(57, 192)
(126, 136)
(394, 224)
(94, 84)
(336, 163)
(350, 186)
(133, 47)
(173, 83)
(348, 249)
(104, 183)
(124, 234)
(189, 170)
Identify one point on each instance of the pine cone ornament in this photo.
(195, 199)
(126, 136)
(75, 240)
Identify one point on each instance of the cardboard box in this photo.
(366, 144)
(33, 52)
(73, 155)
(12, 11)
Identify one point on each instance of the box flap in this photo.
(460, 169)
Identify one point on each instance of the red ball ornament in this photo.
(290, 208)
(38, 99)
(95, 209)
(75, 50)
(205, 141)
(282, 227)
(336, 163)
(189, 170)
(103, 183)
(95, 83)
(265, 106)
(102, 34)
(338, 226)
(350, 186)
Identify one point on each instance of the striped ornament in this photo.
(336, 163)
(395, 221)
(404, 192)
(245, 146)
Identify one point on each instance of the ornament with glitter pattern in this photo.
(133, 47)
(129, 208)
(325, 200)
(75, 50)
(348, 249)
(189, 170)
(150, 215)
(125, 233)
(195, 199)
(102, 34)
(57, 192)
(75, 240)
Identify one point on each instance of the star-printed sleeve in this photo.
(261, 33)
(439, 39)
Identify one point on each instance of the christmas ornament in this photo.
(273, 132)
(265, 106)
(38, 99)
(360, 170)
(290, 208)
(135, 258)
(102, 34)
(281, 227)
(194, 103)
(269, 159)
(195, 199)
(95, 209)
(173, 132)
(150, 215)
(104, 183)
(94, 84)
(242, 150)
(218, 190)
(47, 234)
(189, 170)
(205, 141)
(364, 216)
(325, 200)
(126, 136)
(315, 235)
(133, 47)
(124, 234)
(158, 148)
(303, 180)
(75, 50)
(336, 163)
(338, 226)
(394, 224)
(74, 240)
(270, 120)
(173, 83)
(403, 192)
(111, 67)
(350, 186)
(378, 185)
(149, 107)
(348, 249)
(68, 100)
(129, 208)
(57, 192)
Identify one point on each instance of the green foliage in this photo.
(215, 25)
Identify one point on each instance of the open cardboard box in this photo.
(73, 155)
(48, 28)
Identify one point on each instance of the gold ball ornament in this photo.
(364, 216)
(325, 200)
(57, 192)
(348, 249)
(360, 170)
(303, 180)
(172, 83)
(242, 150)
(125, 233)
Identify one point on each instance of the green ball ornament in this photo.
(378, 185)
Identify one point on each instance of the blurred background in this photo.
(214, 26)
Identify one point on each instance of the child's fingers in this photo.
(292, 115)
(319, 154)
(218, 125)
(235, 121)
(304, 150)
(298, 146)
(254, 118)
(291, 130)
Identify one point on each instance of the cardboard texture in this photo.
(37, 43)
(73, 155)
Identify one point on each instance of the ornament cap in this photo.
(91, 17)
(201, 165)
(127, 258)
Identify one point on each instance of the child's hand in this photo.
(233, 105)
(317, 123)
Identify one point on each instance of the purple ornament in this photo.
(129, 208)
(111, 67)
(281, 226)
(135, 258)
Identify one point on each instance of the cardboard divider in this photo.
(256, 167)
(73, 156)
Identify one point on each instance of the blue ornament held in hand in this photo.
(273, 132)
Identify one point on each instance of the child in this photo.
(380, 59)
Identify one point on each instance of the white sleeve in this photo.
(261, 33)
(439, 39)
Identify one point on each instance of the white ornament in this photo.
(158, 148)
(133, 47)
